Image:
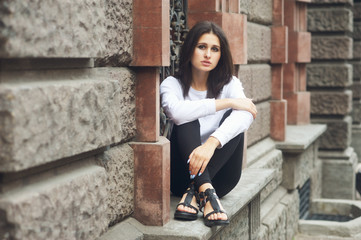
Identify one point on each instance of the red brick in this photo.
(290, 75)
(204, 6)
(299, 48)
(302, 81)
(279, 50)
(152, 182)
(290, 15)
(278, 13)
(277, 82)
(278, 119)
(147, 104)
(298, 108)
(234, 6)
(235, 27)
(302, 16)
(151, 25)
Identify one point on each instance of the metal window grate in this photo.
(304, 193)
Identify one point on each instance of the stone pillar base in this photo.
(152, 182)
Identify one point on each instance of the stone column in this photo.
(356, 85)
(329, 78)
(151, 152)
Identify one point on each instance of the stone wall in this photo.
(67, 113)
(330, 81)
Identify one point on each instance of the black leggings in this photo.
(223, 170)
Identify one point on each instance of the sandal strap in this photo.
(212, 197)
(188, 200)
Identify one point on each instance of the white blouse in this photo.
(196, 106)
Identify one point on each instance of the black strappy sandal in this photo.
(182, 215)
(210, 195)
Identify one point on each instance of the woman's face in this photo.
(206, 53)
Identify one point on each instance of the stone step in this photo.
(242, 205)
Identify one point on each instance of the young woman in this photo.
(210, 112)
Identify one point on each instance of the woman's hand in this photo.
(244, 104)
(200, 156)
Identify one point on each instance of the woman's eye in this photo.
(202, 47)
(215, 49)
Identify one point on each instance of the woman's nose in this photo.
(207, 53)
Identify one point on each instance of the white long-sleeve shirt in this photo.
(196, 106)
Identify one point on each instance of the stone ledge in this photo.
(299, 138)
(247, 189)
(259, 150)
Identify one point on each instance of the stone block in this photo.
(331, 102)
(278, 14)
(279, 50)
(272, 160)
(356, 31)
(275, 221)
(61, 113)
(316, 180)
(327, 2)
(329, 75)
(147, 104)
(298, 167)
(356, 66)
(278, 119)
(357, 10)
(291, 202)
(235, 27)
(356, 90)
(331, 47)
(292, 77)
(259, 42)
(357, 50)
(356, 112)
(64, 29)
(152, 182)
(66, 203)
(334, 19)
(356, 140)
(338, 134)
(298, 108)
(237, 229)
(151, 24)
(277, 81)
(118, 162)
(234, 6)
(295, 15)
(118, 39)
(338, 174)
(260, 12)
(260, 128)
(257, 81)
(299, 47)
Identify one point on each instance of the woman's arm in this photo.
(245, 104)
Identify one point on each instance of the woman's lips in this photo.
(206, 63)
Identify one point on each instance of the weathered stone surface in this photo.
(357, 50)
(291, 202)
(68, 29)
(256, 80)
(338, 134)
(331, 102)
(331, 47)
(118, 161)
(338, 179)
(357, 10)
(316, 180)
(238, 228)
(331, 1)
(329, 75)
(356, 113)
(260, 128)
(356, 90)
(119, 33)
(357, 31)
(329, 20)
(49, 115)
(356, 66)
(258, 42)
(356, 140)
(258, 11)
(68, 203)
(272, 160)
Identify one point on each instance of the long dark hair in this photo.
(220, 75)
